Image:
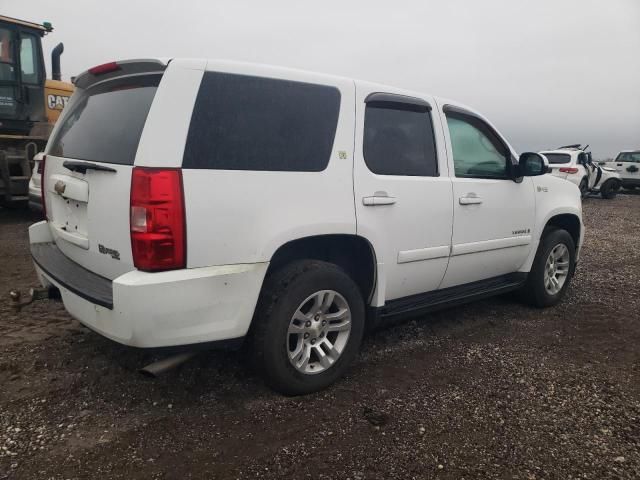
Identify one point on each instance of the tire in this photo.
(610, 189)
(534, 292)
(584, 188)
(292, 290)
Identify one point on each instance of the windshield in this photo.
(558, 157)
(629, 157)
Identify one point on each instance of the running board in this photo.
(448, 297)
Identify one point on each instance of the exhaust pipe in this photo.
(56, 74)
(155, 369)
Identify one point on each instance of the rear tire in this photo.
(294, 306)
(539, 291)
(610, 189)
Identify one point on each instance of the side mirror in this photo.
(532, 164)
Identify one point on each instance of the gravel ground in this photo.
(489, 390)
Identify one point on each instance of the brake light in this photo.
(39, 167)
(569, 170)
(41, 170)
(158, 226)
(104, 68)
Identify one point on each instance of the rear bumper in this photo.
(151, 310)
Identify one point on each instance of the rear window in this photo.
(252, 123)
(558, 157)
(105, 124)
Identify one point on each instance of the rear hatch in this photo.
(89, 163)
(558, 161)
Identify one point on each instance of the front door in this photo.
(402, 191)
(493, 215)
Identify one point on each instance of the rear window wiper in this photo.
(82, 167)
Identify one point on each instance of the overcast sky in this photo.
(546, 72)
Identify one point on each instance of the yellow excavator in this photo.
(30, 103)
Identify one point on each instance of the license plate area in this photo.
(69, 201)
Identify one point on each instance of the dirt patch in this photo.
(489, 390)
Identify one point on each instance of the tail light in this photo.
(158, 226)
(40, 166)
(569, 170)
(43, 196)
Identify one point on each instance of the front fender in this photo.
(554, 196)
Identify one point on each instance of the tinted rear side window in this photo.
(253, 123)
(399, 141)
(558, 157)
(105, 124)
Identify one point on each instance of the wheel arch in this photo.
(354, 253)
(569, 222)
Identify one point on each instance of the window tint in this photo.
(7, 71)
(252, 123)
(558, 157)
(105, 124)
(629, 157)
(477, 152)
(399, 141)
(29, 59)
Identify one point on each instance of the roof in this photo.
(16, 21)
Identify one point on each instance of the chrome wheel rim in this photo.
(556, 269)
(318, 332)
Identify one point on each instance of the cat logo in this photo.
(57, 102)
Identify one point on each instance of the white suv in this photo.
(574, 164)
(196, 202)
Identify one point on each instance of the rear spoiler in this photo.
(121, 68)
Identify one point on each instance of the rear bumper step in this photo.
(70, 275)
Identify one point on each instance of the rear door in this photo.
(402, 190)
(89, 162)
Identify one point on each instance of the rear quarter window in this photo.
(104, 124)
(243, 122)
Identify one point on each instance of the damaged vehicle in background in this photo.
(575, 164)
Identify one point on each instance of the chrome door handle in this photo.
(470, 199)
(376, 200)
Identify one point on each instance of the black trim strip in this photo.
(82, 167)
(73, 277)
(460, 294)
(398, 100)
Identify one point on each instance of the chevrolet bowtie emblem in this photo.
(59, 187)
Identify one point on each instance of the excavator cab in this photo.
(29, 103)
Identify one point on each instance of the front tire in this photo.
(552, 269)
(308, 326)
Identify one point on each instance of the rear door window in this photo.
(243, 122)
(556, 158)
(105, 123)
(399, 141)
